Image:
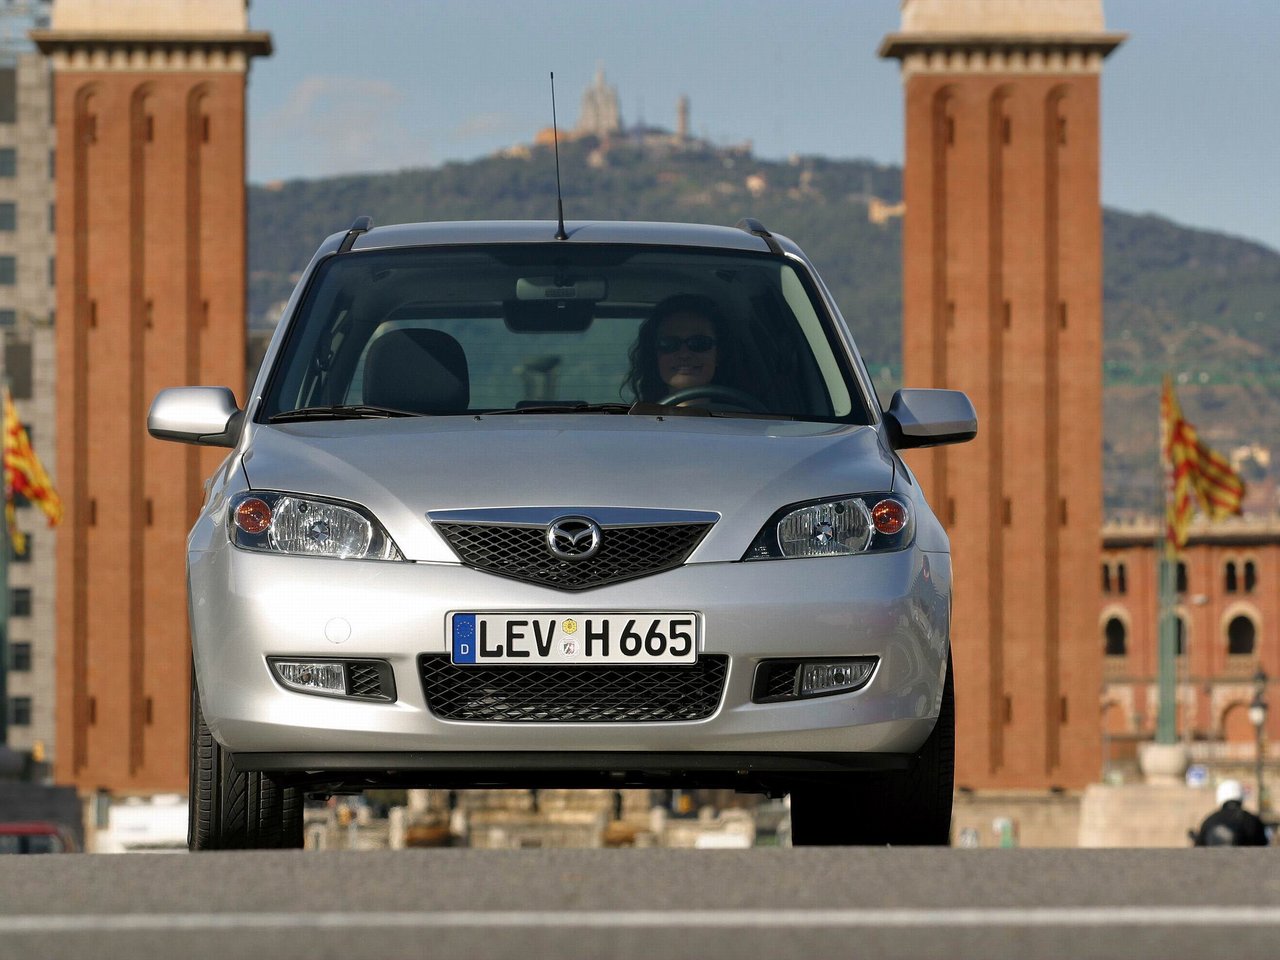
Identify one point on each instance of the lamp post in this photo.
(1258, 717)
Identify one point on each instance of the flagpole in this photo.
(1166, 716)
(1166, 592)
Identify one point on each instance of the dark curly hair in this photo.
(643, 380)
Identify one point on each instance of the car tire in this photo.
(910, 807)
(232, 809)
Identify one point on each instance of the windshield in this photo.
(559, 328)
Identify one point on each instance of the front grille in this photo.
(573, 694)
(520, 552)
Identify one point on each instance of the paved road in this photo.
(780, 904)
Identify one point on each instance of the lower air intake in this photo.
(573, 694)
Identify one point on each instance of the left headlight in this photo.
(277, 522)
(866, 523)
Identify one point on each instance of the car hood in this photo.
(742, 469)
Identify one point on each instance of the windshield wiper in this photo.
(678, 410)
(340, 411)
(565, 408)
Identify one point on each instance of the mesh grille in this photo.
(521, 552)
(781, 681)
(365, 680)
(573, 694)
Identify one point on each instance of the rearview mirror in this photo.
(930, 418)
(547, 316)
(204, 415)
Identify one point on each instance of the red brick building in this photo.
(1002, 273)
(149, 106)
(1228, 610)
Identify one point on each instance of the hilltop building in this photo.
(601, 115)
(600, 119)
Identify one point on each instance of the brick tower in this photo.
(1002, 275)
(150, 104)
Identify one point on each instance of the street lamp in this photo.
(1258, 717)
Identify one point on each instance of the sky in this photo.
(1190, 103)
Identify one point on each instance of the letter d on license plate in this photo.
(536, 639)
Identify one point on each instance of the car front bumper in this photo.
(246, 607)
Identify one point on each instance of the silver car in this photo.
(617, 509)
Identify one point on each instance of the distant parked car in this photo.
(35, 837)
(616, 508)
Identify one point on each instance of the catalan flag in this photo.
(1197, 473)
(24, 474)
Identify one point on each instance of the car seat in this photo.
(419, 370)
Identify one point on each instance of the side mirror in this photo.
(204, 415)
(929, 418)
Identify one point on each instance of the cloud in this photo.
(330, 125)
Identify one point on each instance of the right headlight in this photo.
(865, 523)
(276, 522)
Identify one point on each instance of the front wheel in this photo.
(231, 809)
(909, 807)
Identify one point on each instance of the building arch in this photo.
(1240, 628)
(1235, 725)
(1116, 628)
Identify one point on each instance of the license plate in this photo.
(536, 639)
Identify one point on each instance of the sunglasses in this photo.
(698, 343)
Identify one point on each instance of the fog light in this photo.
(312, 676)
(819, 678)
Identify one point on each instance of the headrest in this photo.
(424, 371)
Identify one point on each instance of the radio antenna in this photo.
(555, 137)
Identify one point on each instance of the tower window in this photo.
(1182, 577)
(1250, 576)
(1180, 639)
(1122, 585)
(1106, 578)
(1241, 635)
(1116, 636)
(1230, 582)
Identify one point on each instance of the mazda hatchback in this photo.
(613, 509)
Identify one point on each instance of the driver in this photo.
(681, 346)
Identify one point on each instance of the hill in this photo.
(1200, 304)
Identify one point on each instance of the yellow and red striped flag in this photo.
(24, 474)
(1196, 473)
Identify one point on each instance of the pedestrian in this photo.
(1231, 825)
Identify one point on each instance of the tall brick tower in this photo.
(149, 102)
(1002, 273)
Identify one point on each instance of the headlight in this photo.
(867, 523)
(285, 523)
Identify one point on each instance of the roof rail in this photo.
(361, 225)
(756, 228)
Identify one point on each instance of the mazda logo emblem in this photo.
(573, 538)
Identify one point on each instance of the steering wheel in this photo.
(712, 391)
